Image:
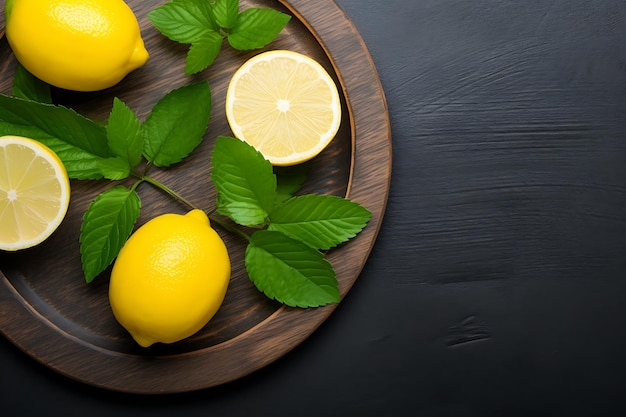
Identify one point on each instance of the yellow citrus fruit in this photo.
(81, 45)
(34, 192)
(170, 278)
(284, 104)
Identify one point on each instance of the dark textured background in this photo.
(498, 282)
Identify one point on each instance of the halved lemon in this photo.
(285, 104)
(34, 192)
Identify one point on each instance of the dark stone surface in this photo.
(497, 284)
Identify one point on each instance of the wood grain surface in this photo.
(48, 311)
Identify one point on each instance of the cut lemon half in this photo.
(284, 104)
(34, 192)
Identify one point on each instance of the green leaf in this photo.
(184, 21)
(57, 121)
(320, 221)
(226, 12)
(114, 168)
(203, 24)
(257, 27)
(190, 22)
(289, 179)
(203, 52)
(124, 133)
(79, 142)
(176, 124)
(107, 224)
(29, 87)
(79, 164)
(8, 7)
(289, 271)
(244, 181)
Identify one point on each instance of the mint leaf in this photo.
(289, 271)
(184, 21)
(106, 226)
(203, 52)
(257, 27)
(244, 181)
(79, 164)
(57, 121)
(29, 87)
(190, 22)
(320, 221)
(114, 168)
(177, 124)
(79, 142)
(124, 133)
(226, 12)
(289, 179)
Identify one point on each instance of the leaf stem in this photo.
(136, 184)
(188, 203)
(169, 191)
(228, 227)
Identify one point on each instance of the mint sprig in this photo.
(204, 25)
(284, 260)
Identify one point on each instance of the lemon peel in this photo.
(170, 278)
(81, 45)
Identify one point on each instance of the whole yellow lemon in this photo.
(81, 45)
(170, 278)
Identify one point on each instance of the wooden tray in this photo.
(48, 311)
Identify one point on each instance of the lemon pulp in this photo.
(285, 104)
(34, 192)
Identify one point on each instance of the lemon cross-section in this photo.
(34, 193)
(285, 104)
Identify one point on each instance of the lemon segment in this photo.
(284, 104)
(170, 278)
(34, 193)
(81, 45)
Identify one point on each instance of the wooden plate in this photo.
(49, 312)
